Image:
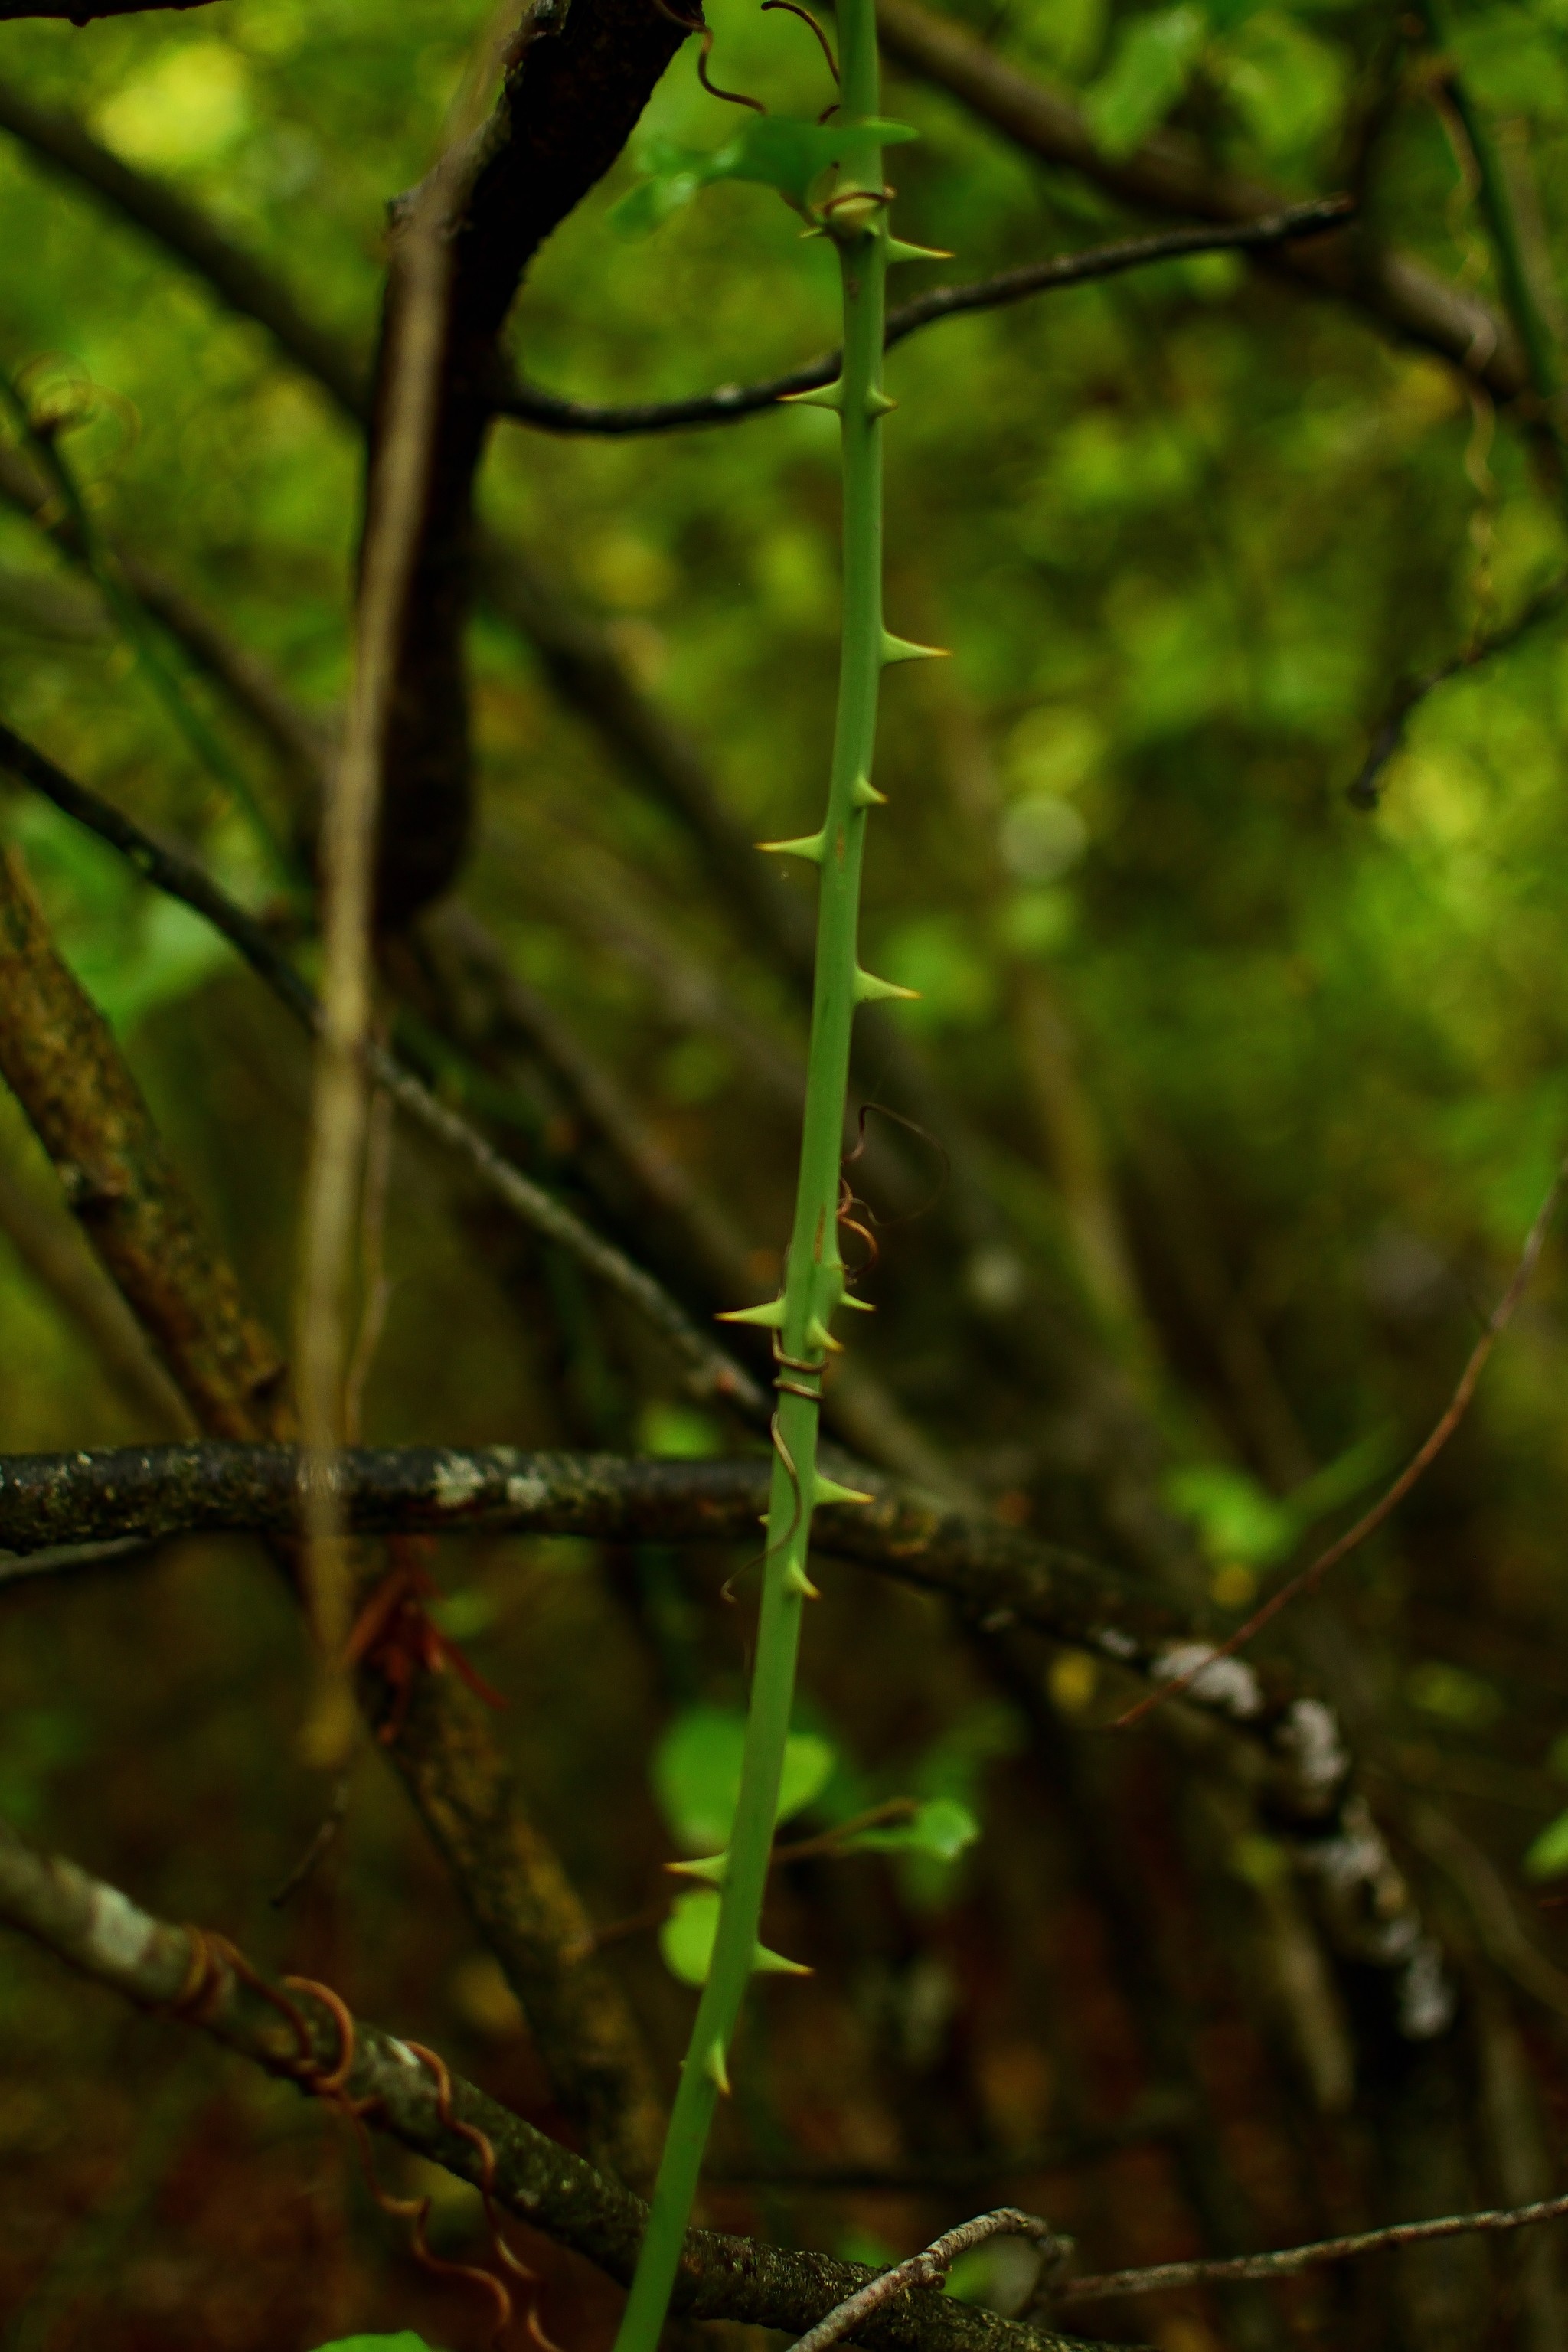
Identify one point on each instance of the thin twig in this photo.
(1363, 792)
(928, 2268)
(321, 1837)
(552, 413)
(400, 465)
(1104, 2284)
(710, 1371)
(1418, 1465)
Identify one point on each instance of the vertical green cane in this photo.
(801, 1320)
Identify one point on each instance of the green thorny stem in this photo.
(800, 1321)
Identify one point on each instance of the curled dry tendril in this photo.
(214, 1961)
(698, 25)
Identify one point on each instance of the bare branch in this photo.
(929, 2269)
(1367, 792)
(402, 458)
(1420, 1462)
(1101, 2287)
(296, 2032)
(531, 404)
(710, 1371)
(64, 144)
(575, 85)
(1169, 174)
(82, 11)
(63, 1064)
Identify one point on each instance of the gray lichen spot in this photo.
(527, 1491)
(119, 1935)
(1227, 1684)
(1309, 1737)
(457, 1481)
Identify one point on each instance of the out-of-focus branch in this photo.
(402, 463)
(300, 742)
(62, 1064)
(82, 11)
(532, 404)
(999, 1579)
(294, 2034)
(1169, 174)
(54, 1257)
(64, 144)
(577, 79)
(61, 1061)
(710, 1371)
(1367, 789)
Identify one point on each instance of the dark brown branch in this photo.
(996, 1577)
(532, 404)
(1169, 174)
(177, 1971)
(579, 79)
(62, 1062)
(82, 11)
(86, 10)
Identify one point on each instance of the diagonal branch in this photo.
(1169, 174)
(186, 1973)
(552, 413)
(58, 1056)
(63, 143)
(710, 1371)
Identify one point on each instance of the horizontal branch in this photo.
(1290, 2260)
(1170, 173)
(306, 2037)
(82, 11)
(531, 404)
(711, 1371)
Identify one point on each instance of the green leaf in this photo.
(1149, 69)
(686, 1938)
(697, 1775)
(942, 1830)
(1236, 1518)
(1547, 1855)
(407, 2342)
(773, 151)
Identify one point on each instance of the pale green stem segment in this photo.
(814, 1281)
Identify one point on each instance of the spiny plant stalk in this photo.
(801, 1319)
